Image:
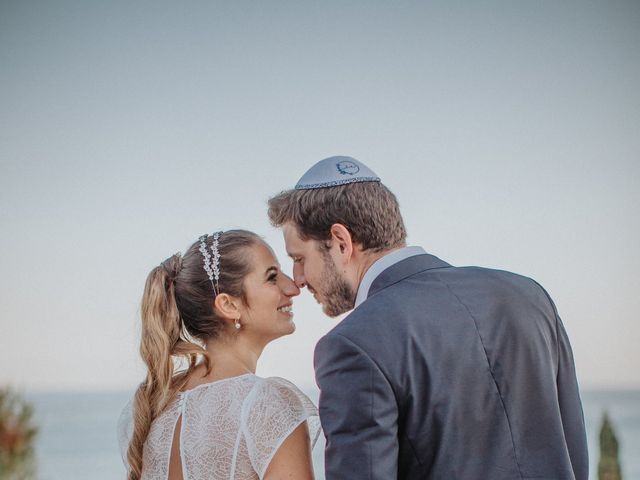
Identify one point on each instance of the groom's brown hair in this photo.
(367, 209)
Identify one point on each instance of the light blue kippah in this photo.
(334, 171)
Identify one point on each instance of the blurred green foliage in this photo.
(609, 465)
(17, 437)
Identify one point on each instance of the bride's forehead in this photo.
(263, 254)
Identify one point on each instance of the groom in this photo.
(439, 372)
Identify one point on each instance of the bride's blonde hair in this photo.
(178, 316)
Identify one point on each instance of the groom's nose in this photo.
(298, 275)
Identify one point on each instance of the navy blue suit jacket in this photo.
(450, 373)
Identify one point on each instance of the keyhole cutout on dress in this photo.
(175, 461)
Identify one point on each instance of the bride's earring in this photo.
(237, 324)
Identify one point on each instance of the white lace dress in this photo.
(231, 429)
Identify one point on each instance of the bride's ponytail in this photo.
(160, 333)
(177, 311)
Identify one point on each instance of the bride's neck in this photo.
(232, 357)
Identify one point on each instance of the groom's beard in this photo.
(337, 295)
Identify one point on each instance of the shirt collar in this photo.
(380, 266)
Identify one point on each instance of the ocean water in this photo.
(78, 439)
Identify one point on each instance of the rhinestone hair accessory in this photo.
(211, 260)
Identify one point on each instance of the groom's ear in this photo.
(341, 237)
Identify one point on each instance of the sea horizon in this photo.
(77, 437)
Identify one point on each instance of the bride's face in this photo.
(269, 294)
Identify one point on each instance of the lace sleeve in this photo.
(272, 412)
(125, 430)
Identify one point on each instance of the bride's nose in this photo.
(288, 286)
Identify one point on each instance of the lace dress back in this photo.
(230, 429)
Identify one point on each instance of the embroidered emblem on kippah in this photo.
(347, 168)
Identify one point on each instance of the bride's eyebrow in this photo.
(272, 268)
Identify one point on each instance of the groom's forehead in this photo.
(294, 244)
(291, 236)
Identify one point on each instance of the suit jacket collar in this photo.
(405, 268)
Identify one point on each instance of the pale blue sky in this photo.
(510, 132)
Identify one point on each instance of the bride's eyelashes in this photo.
(272, 274)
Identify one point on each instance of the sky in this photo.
(509, 131)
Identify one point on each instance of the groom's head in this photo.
(337, 219)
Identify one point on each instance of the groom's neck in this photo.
(368, 258)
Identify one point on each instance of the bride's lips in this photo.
(287, 309)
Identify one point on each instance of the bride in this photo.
(215, 308)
